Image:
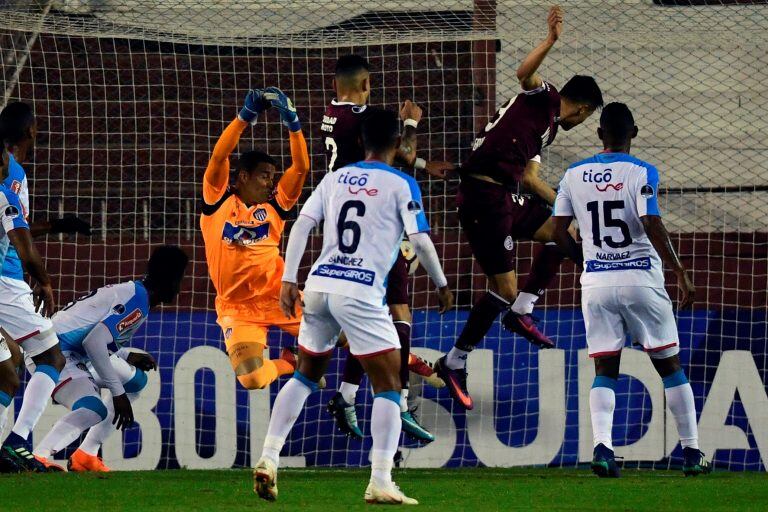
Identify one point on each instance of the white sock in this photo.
(456, 359)
(288, 405)
(99, 432)
(680, 401)
(524, 303)
(602, 402)
(66, 430)
(36, 395)
(385, 432)
(404, 400)
(3, 419)
(349, 391)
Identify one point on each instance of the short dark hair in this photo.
(167, 264)
(617, 121)
(250, 159)
(15, 121)
(380, 130)
(350, 65)
(583, 89)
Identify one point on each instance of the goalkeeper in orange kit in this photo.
(242, 221)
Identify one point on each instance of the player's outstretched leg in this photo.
(679, 397)
(47, 363)
(342, 405)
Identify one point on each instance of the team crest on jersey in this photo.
(119, 309)
(647, 191)
(129, 321)
(359, 109)
(509, 244)
(260, 214)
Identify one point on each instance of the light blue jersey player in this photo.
(614, 198)
(92, 331)
(365, 208)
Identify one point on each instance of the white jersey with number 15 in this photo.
(608, 194)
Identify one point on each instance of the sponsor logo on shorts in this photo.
(509, 244)
(647, 191)
(603, 266)
(355, 275)
(129, 321)
(260, 214)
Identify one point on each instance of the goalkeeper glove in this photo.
(70, 224)
(284, 105)
(254, 105)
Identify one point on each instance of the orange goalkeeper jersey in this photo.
(241, 241)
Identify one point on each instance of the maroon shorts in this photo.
(493, 219)
(397, 281)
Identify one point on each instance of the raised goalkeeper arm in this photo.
(216, 178)
(290, 185)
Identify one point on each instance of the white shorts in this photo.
(31, 330)
(643, 313)
(79, 378)
(369, 328)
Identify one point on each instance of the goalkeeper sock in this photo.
(602, 402)
(480, 319)
(680, 400)
(36, 396)
(288, 405)
(67, 429)
(385, 432)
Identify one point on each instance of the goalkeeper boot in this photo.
(81, 462)
(456, 381)
(265, 479)
(51, 466)
(345, 415)
(604, 462)
(421, 368)
(413, 428)
(525, 326)
(694, 462)
(389, 494)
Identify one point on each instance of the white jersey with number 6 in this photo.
(365, 208)
(608, 194)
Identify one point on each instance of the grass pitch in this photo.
(328, 490)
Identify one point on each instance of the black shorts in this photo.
(397, 281)
(493, 219)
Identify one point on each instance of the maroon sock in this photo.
(404, 334)
(481, 317)
(544, 269)
(353, 370)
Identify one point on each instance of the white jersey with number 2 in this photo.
(365, 208)
(608, 194)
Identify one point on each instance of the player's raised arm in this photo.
(290, 185)
(411, 115)
(526, 73)
(216, 177)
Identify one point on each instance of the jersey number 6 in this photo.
(344, 225)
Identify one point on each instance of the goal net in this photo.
(131, 95)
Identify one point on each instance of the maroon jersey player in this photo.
(505, 157)
(340, 133)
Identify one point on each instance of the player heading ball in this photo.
(362, 230)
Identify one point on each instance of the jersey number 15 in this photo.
(610, 222)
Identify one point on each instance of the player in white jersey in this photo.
(614, 198)
(43, 347)
(91, 328)
(365, 208)
(22, 321)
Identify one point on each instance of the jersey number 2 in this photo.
(331, 146)
(610, 222)
(344, 225)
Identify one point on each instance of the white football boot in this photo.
(389, 495)
(265, 479)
